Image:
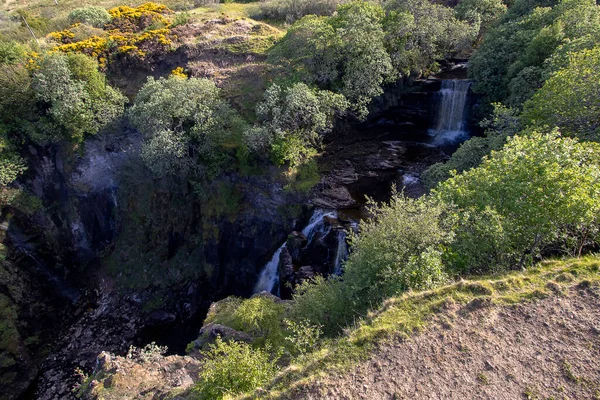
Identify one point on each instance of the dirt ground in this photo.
(546, 349)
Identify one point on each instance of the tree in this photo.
(569, 99)
(186, 124)
(398, 249)
(539, 190)
(366, 63)
(93, 15)
(294, 120)
(485, 11)
(74, 98)
(312, 49)
(419, 33)
(529, 45)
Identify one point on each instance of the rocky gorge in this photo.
(114, 260)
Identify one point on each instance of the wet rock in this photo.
(295, 243)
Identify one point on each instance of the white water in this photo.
(269, 277)
(342, 252)
(450, 120)
(409, 179)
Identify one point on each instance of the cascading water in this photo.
(269, 277)
(450, 124)
(342, 252)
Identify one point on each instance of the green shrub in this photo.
(92, 15)
(230, 368)
(12, 52)
(65, 97)
(187, 125)
(540, 190)
(486, 11)
(293, 122)
(322, 302)
(259, 316)
(304, 336)
(569, 99)
(399, 249)
(292, 10)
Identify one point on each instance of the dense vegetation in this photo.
(528, 189)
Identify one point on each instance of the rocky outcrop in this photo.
(359, 166)
(143, 373)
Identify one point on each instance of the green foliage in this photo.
(294, 120)
(11, 166)
(75, 97)
(92, 15)
(538, 191)
(419, 33)
(304, 336)
(363, 46)
(531, 42)
(230, 368)
(399, 249)
(292, 10)
(312, 48)
(366, 64)
(12, 52)
(187, 126)
(259, 316)
(503, 122)
(484, 12)
(322, 302)
(569, 99)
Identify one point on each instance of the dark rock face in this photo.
(196, 252)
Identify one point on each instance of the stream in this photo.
(448, 129)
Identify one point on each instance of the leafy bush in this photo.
(61, 97)
(294, 120)
(187, 125)
(484, 11)
(529, 44)
(322, 302)
(12, 52)
(292, 10)
(77, 99)
(11, 166)
(399, 249)
(304, 336)
(230, 368)
(92, 15)
(420, 32)
(259, 316)
(538, 191)
(569, 99)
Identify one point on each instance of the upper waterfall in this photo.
(449, 123)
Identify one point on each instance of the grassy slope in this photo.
(410, 313)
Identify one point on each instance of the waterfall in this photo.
(269, 276)
(450, 119)
(341, 254)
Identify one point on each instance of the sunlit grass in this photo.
(403, 316)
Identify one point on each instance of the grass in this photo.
(402, 316)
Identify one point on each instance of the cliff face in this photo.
(108, 236)
(117, 255)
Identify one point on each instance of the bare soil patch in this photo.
(546, 349)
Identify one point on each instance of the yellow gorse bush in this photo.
(117, 41)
